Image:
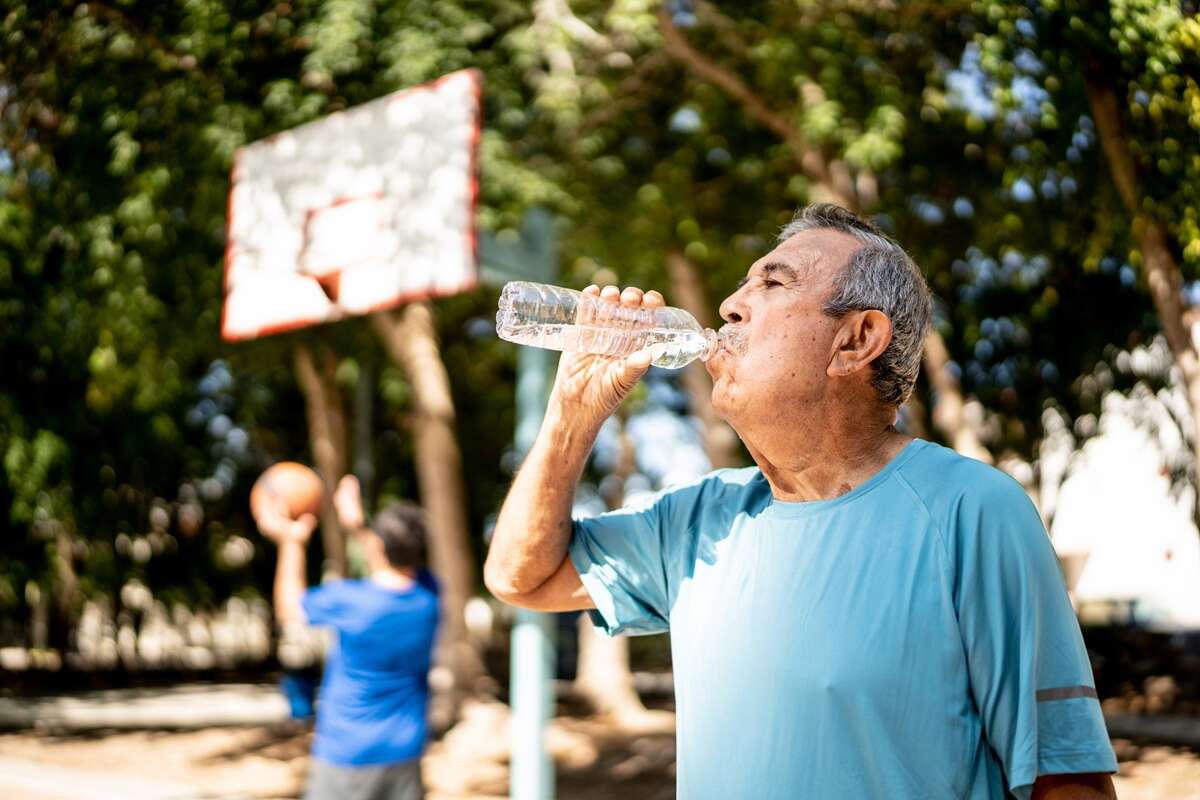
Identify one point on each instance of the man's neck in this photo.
(819, 459)
(389, 577)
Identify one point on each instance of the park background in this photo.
(1040, 160)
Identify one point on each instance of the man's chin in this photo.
(722, 402)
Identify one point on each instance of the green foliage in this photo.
(118, 125)
(31, 464)
(968, 129)
(1145, 53)
(963, 127)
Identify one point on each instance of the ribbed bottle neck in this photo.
(712, 343)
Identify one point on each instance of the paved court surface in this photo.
(98, 747)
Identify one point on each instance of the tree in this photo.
(675, 138)
(1128, 70)
(412, 342)
(703, 124)
(327, 435)
(118, 123)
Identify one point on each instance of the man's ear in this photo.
(860, 339)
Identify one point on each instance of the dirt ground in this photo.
(596, 759)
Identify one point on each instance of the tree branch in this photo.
(811, 160)
(1162, 272)
(625, 92)
(720, 442)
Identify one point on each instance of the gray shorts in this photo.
(384, 782)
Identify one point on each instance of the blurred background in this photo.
(1040, 160)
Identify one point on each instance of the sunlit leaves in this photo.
(341, 37)
(35, 467)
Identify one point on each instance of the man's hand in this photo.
(275, 524)
(588, 388)
(347, 501)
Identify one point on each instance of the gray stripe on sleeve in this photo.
(1065, 692)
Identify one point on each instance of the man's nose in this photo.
(733, 310)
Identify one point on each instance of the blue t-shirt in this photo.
(375, 692)
(912, 638)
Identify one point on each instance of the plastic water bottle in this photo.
(555, 318)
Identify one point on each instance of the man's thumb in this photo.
(634, 368)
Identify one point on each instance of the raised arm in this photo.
(527, 564)
(290, 537)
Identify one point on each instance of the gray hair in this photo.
(879, 276)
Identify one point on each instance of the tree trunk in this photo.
(66, 587)
(949, 409)
(834, 182)
(917, 411)
(411, 339)
(720, 442)
(1163, 275)
(603, 677)
(364, 427)
(327, 438)
(39, 618)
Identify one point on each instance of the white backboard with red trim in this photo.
(360, 211)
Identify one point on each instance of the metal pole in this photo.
(531, 690)
(532, 666)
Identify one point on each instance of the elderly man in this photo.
(862, 615)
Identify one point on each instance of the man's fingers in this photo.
(275, 509)
(630, 296)
(299, 529)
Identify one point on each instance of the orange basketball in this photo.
(295, 483)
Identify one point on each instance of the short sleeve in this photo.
(620, 559)
(325, 604)
(1029, 670)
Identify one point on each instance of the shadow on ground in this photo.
(597, 758)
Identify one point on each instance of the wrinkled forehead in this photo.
(813, 256)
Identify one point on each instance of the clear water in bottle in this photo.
(542, 315)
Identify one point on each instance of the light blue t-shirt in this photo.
(375, 692)
(911, 639)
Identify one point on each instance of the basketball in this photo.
(298, 485)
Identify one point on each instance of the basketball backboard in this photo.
(359, 211)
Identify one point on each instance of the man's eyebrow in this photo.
(786, 271)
